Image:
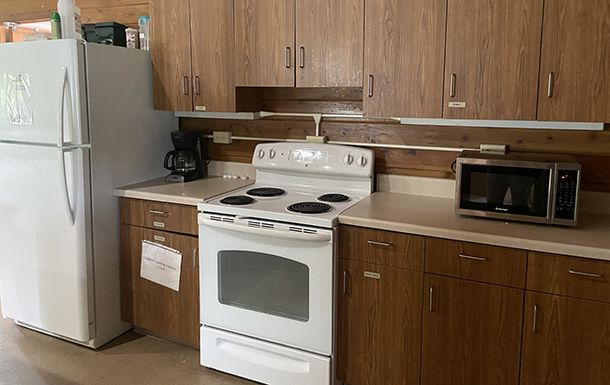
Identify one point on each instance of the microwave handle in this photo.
(267, 232)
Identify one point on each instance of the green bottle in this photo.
(55, 26)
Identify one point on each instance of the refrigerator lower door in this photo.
(46, 269)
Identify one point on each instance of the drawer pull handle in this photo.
(159, 238)
(585, 274)
(535, 316)
(344, 281)
(156, 212)
(380, 243)
(195, 259)
(471, 257)
(431, 300)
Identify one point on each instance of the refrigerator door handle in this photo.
(62, 101)
(64, 184)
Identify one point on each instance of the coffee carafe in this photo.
(184, 162)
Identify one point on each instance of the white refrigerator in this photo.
(76, 121)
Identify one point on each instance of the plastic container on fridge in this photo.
(144, 24)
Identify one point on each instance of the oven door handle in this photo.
(276, 233)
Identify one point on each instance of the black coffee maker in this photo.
(185, 162)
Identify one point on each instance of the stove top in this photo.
(300, 183)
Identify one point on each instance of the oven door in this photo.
(267, 280)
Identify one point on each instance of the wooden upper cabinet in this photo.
(565, 341)
(329, 43)
(212, 52)
(574, 65)
(264, 43)
(493, 58)
(170, 48)
(404, 50)
(471, 333)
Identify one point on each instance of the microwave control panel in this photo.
(567, 189)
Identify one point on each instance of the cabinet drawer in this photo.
(382, 247)
(159, 215)
(491, 264)
(570, 276)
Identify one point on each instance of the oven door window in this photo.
(264, 283)
(510, 190)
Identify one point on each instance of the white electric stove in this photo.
(268, 258)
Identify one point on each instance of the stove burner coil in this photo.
(310, 208)
(333, 198)
(266, 192)
(237, 200)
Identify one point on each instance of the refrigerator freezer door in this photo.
(45, 244)
(43, 93)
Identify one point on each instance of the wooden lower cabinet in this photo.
(566, 341)
(150, 305)
(471, 333)
(379, 330)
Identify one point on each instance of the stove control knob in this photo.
(361, 161)
(271, 153)
(261, 154)
(348, 159)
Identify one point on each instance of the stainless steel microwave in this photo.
(539, 188)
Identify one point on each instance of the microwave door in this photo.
(506, 192)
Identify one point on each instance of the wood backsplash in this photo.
(590, 148)
(92, 11)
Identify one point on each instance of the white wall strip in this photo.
(505, 124)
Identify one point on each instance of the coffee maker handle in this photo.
(166, 161)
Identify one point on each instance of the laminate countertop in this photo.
(189, 193)
(434, 217)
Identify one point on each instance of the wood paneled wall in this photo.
(92, 11)
(590, 148)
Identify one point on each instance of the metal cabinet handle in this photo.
(185, 85)
(302, 57)
(550, 85)
(452, 86)
(371, 81)
(195, 259)
(196, 85)
(535, 317)
(156, 212)
(344, 281)
(431, 298)
(379, 243)
(585, 274)
(287, 57)
(471, 257)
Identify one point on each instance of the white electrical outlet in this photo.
(317, 139)
(222, 137)
(493, 148)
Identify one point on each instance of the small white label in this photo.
(201, 108)
(372, 275)
(457, 104)
(158, 224)
(159, 238)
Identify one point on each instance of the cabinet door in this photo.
(170, 39)
(565, 341)
(150, 305)
(329, 43)
(471, 333)
(404, 56)
(574, 73)
(493, 57)
(264, 43)
(212, 48)
(379, 322)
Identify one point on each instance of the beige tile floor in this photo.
(31, 358)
